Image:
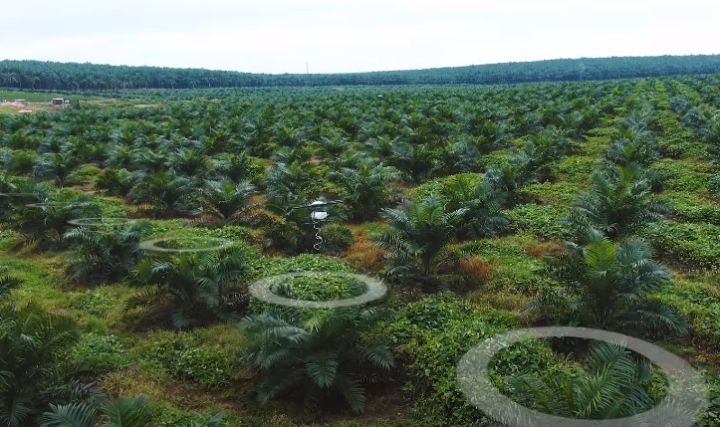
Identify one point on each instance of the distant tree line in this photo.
(39, 75)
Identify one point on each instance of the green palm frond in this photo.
(322, 368)
(72, 415)
(126, 413)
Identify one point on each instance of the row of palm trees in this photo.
(211, 171)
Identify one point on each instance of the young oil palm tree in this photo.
(287, 183)
(415, 161)
(611, 290)
(618, 204)
(418, 232)
(8, 281)
(166, 194)
(235, 167)
(55, 166)
(609, 384)
(318, 359)
(511, 176)
(639, 151)
(112, 413)
(221, 203)
(188, 163)
(31, 342)
(44, 224)
(368, 189)
(105, 254)
(192, 287)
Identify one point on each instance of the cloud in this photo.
(334, 36)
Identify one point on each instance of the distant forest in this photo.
(39, 75)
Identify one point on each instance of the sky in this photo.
(279, 36)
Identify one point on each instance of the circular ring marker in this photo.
(685, 399)
(152, 245)
(101, 222)
(262, 290)
(45, 205)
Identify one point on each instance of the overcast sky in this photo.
(278, 36)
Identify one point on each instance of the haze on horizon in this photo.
(277, 36)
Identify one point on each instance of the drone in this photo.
(318, 216)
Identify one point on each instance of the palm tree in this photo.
(43, 225)
(514, 174)
(193, 287)
(483, 215)
(368, 189)
(618, 204)
(235, 167)
(189, 163)
(611, 289)
(167, 194)
(31, 341)
(642, 150)
(55, 166)
(109, 254)
(288, 182)
(415, 161)
(610, 384)
(113, 413)
(320, 359)
(481, 202)
(222, 203)
(8, 281)
(419, 231)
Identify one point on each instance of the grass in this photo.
(8, 110)
(29, 96)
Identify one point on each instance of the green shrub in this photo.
(431, 336)
(211, 366)
(544, 221)
(691, 207)
(682, 175)
(319, 287)
(514, 269)
(96, 302)
(576, 169)
(167, 415)
(336, 238)
(692, 244)
(85, 175)
(95, 355)
(699, 304)
(552, 192)
(270, 266)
